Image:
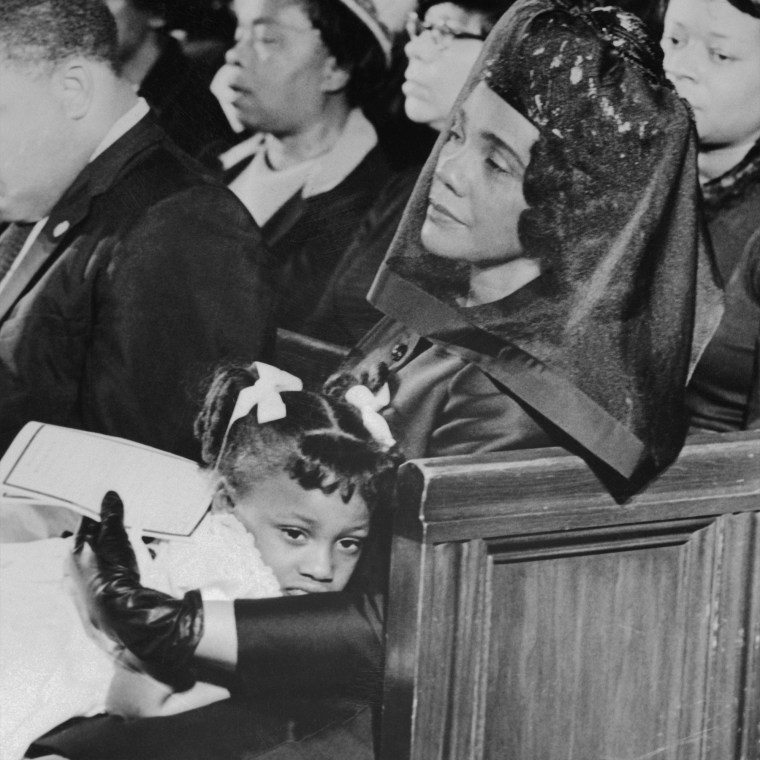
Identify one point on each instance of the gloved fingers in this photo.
(112, 511)
(113, 548)
(87, 533)
(82, 575)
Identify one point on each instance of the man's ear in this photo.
(334, 78)
(222, 500)
(75, 85)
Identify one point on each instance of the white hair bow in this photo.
(370, 404)
(265, 395)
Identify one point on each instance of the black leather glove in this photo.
(159, 629)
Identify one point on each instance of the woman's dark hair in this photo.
(656, 16)
(750, 7)
(354, 47)
(321, 443)
(490, 10)
(158, 7)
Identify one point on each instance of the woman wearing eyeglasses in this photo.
(445, 39)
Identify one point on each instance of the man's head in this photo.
(48, 32)
(55, 56)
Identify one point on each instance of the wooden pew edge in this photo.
(438, 502)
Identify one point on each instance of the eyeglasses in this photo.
(440, 32)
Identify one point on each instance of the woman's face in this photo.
(476, 196)
(435, 76)
(712, 56)
(281, 67)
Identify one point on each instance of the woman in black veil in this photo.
(548, 285)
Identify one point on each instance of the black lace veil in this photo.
(602, 342)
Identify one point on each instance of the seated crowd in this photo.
(527, 223)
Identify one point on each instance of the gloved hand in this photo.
(159, 629)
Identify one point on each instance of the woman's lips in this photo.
(413, 89)
(238, 92)
(301, 590)
(440, 214)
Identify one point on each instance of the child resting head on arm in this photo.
(299, 485)
(306, 475)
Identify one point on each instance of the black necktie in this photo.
(11, 243)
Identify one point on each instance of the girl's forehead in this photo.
(280, 496)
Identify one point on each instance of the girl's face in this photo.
(435, 76)
(476, 196)
(712, 56)
(312, 541)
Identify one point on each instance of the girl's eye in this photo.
(351, 545)
(294, 535)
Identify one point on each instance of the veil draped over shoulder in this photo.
(603, 341)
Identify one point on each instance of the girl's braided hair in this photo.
(321, 443)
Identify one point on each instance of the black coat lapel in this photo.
(96, 178)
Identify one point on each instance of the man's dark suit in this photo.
(145, 275)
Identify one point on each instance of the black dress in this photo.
(724, 391)
(182, 102)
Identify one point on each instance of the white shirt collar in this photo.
(356, 140)
(122, 125)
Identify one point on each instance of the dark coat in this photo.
(183, 104)
(343, 314)
(724, 392)
(442, 404)
(146, 274)
(308, 237)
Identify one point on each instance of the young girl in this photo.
(298, 478)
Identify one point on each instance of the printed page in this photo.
(164, 495)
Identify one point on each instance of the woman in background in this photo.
(445, 39)
(712, 56)
(301, 76)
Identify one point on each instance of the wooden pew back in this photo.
(531, 617)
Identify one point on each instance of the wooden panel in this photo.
(722, 635)
(572, 627)
(584, 662)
